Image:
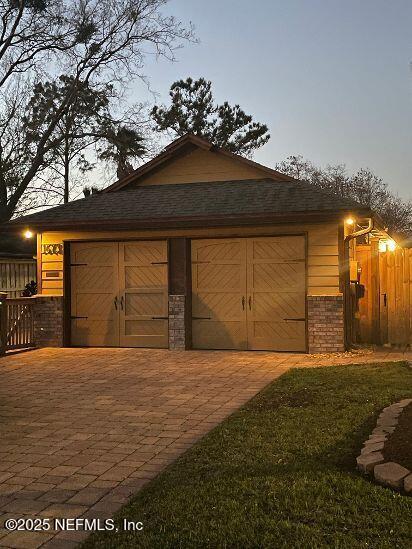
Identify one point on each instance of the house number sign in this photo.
(52, 249)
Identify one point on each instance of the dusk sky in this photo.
(331, 78)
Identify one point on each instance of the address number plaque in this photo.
(52, 249)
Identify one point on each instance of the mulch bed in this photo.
(398, 448)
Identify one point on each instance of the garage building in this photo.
(198, 248)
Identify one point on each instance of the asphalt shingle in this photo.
(246, 197)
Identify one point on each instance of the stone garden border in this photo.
(371, 459)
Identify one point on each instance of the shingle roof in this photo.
(195, 200)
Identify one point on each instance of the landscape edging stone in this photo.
(371, 459)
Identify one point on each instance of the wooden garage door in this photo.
(119, 294)
(94, 287)
(276, 287)
(144, 296)
(249, 293)
(218, 297)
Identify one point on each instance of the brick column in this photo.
(326, 324)
(180, 294)
(177, 328)
(48, 321)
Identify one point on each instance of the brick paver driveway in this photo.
(81, 430)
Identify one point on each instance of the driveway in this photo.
(82, 430)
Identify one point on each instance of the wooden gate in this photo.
(385, 312)
(16, 323)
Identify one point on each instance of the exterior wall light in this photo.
(387, 246)
(349, 221)
(391, 245)
(382, 246)
(28, 234)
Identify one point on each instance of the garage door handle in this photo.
(295, 319)
(77, 317)
(160, 318)
(243, 302)
(250, 303)
(115, 303)
(201, 318)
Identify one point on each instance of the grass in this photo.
(281, 472)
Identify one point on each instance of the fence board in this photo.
(15, 274)
(393, 318)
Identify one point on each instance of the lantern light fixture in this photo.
(349, 221)
(382, 246)
(28, 234)
(387, 245)
(391, 245)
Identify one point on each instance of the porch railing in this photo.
(16, 323)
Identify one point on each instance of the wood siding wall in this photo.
(199, 166)
(323, 254)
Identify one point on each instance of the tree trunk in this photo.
(5, 213)
(66, 171)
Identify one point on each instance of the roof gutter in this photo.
(361, 232)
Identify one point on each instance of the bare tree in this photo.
(363, 186)
(91, 41)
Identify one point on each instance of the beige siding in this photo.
(323, 258)
(200, 165)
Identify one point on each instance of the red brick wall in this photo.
(48, 321)
(177, 328)
(326, 324)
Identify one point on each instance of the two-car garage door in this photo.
(249, 293)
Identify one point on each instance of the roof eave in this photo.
(207, 221)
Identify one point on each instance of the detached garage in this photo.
(199, 248)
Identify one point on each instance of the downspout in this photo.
(346, 289)
(368, 229)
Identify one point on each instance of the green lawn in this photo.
(281, 472)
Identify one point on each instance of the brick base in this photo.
(177, 331)
(48, 321)
(326, 324)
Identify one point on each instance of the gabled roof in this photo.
(185, 144)
(203, 205)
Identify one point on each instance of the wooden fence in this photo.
(15, 274)
(385, 313)
(16, 323)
